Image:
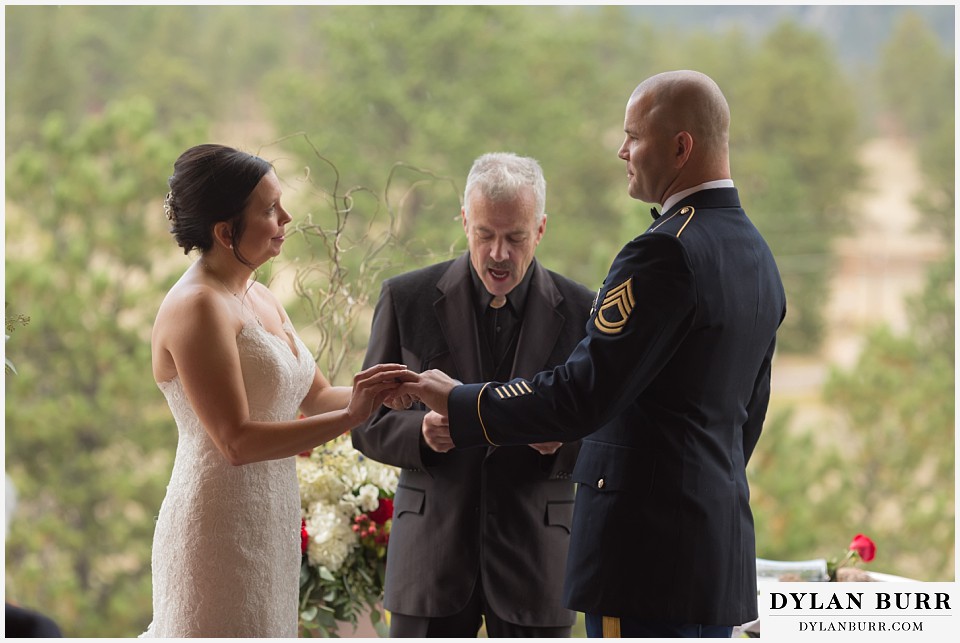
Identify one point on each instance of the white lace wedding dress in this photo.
(226, 552)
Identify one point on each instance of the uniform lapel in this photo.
(455, 311)
(542, 323)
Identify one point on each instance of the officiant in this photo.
(480, 533)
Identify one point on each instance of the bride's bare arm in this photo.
(201, 339)
(323, 398)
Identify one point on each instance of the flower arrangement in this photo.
(861, 548)
(347, 505)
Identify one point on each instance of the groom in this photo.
(675, 368)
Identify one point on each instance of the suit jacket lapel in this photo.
(455, 311)
(542, 323)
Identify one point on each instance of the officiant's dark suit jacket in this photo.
(502, 514)
(675, 369)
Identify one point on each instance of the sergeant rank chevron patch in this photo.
(616, 308)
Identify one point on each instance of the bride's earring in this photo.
(223, 233)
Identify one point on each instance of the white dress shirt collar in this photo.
(709, 185)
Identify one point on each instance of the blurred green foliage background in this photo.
(373, 115)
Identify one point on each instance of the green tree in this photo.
(886, 465)
(187, 60)
(800, 507)
(898, 400)
(898, 405)
(433, 87)
(794, 139)
(407, 84)
(37, 74)
(89, 441)
(916, 77)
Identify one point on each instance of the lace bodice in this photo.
(226, 552)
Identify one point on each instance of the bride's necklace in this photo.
(240, 298)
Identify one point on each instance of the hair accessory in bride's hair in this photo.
(168, 207)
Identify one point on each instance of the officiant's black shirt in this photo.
(499, 328)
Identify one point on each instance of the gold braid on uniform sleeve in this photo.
(479, 417)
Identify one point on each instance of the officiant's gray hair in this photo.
(499, 176)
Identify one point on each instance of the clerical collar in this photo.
(673, 199)
(516, 298)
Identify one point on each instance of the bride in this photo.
(226, 551)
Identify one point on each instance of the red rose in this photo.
(864, 547)
(383, 512)
(304, 536)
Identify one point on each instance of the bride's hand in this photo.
(371, 387)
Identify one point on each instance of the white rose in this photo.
(331, 536)
(368, 497)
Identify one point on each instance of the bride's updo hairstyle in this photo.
(211, 183)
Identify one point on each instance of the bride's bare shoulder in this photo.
(189, 297)
(191, 305)
(192, 313)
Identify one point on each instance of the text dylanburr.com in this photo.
(857, 611)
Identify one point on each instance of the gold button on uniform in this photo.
(600, 483)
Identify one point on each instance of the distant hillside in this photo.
(857, 32)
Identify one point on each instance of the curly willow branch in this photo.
(346, 258)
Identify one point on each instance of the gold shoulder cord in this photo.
(684, 211)
(479, 417)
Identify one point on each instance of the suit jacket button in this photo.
(600, 483)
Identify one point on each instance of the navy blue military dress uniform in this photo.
(675, 369)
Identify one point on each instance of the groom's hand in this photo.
(432, 389)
